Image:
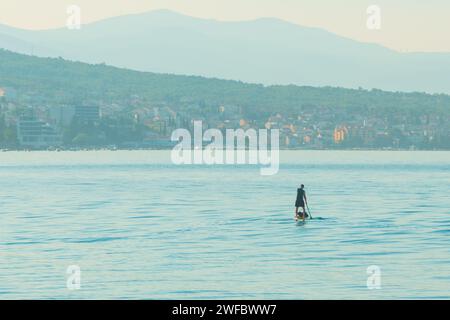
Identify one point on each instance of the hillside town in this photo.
(138, 124)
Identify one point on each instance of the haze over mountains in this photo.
(268, 51)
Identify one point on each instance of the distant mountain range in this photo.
(267, 51)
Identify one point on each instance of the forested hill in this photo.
(54, 81)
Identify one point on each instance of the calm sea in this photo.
(139, 227)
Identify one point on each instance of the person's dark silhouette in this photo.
(300, 203)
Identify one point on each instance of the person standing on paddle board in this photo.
(300, 202)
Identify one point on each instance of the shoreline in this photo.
(169, 149)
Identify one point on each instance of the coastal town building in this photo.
(87, 114)
(35, 134)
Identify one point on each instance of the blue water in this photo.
(142, 228)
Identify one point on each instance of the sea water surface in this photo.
(140, 227)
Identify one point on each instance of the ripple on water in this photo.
(141, 230)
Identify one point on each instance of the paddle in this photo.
(309, 212)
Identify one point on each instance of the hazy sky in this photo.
(406, 25)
